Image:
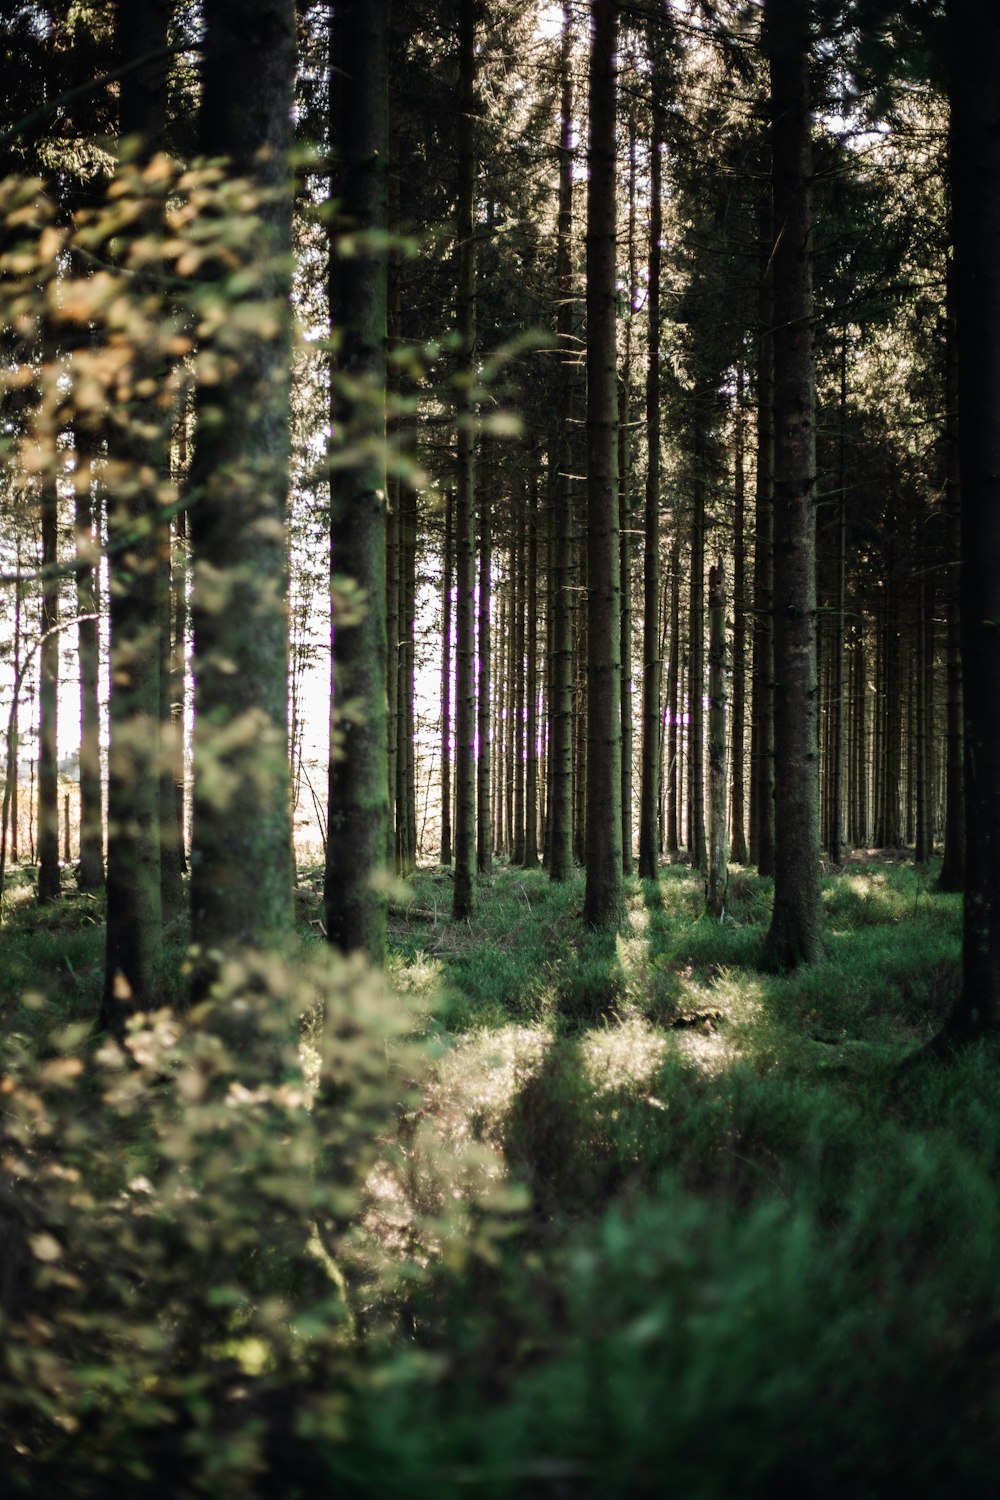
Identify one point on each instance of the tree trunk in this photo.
(795, 934)
(974, 34)
(484, 824)
(952, 876)
(140, 442)
(739, 845)
(48, 702)
(447, 571)
(604, 898)
(358, 787)
(673, 703)
(718, 861)
(762, 684)
(531, 679)
(652, 728)
(90, 874)
(465, 715)
(696, 655)
(560, 828)
(241, 861)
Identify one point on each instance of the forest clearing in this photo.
(499, 681)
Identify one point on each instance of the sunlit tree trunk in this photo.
(739, 846)
(447, 575)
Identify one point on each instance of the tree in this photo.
(358, 788)
(604, 900)
(795, 933)
(973, 41)
(138, 439)
(241, 841)
(652, 666)
(465, 690)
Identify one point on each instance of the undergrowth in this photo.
(583, 1215)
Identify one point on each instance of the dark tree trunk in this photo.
(241, 862)
(465, 708)
(139, 440)
(560, 825)
(717, 880)
(604, 898)
(673, 703)
(696, 655)
(48, 703)
(357, 819)
(652, 726)
(974, 35)
(795, 934)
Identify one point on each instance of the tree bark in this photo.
(652, 726)
(48, 703)
(561, 673)
(604, 897)
(795, 933)
(974, 38)
(465, 708)
(241, 861)
(718, 855)
(358, 813)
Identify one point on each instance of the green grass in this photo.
(647, 1220)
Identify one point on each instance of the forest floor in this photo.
(688, 1229)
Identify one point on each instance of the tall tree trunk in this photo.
(673, 703)
(652, 735)
(140, 441)
(90, 875)
(447, 574)
(837, 642)
(531, 680)
(48, 702)
(718, 862)
(795, 934)
(625, 507)
(465, 714)
(762, 718)
(358, 787)
(696, 656)
(560, 833)
(518, 584)
(739, 844)
(974, 37)
(484, 824)
(604, 898)
(952, 876)
(241, 862)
